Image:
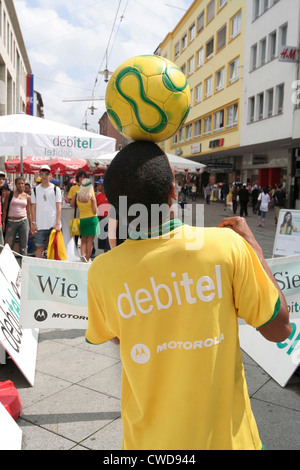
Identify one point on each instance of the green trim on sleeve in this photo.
(276, 310)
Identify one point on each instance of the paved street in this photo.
(75, 402)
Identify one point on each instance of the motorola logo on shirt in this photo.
(140, 354)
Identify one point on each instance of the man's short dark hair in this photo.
(140, 171)
(79, 174)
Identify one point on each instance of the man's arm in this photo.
(58, 216)
(34, 228)
(279, 328)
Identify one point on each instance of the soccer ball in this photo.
(147, 98)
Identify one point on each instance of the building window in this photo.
(209, 48)
(270, 96)
(207, 125)
(219, 121)
(256, 9)
(279, 98)
(200, 22)
(236, 25)
(253, 57)
(283, 35)
(183, 42)
(220, 79)
(188, 132)
(198, 96)
(221, 38)
(232, 116)
(272, 45)
(181, 135)
(210, 11)
(197, 128)
(200, 57)
(265, 5)
(183, 69)
(192, 96)
(192, 32)
(263, 48)
(191, 63)
(234, 70)
(222, 3)
(174, 139)
(208, 87)
(251, 107)
(260, 106)
(176, 49)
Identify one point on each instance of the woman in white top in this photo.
(265, 200)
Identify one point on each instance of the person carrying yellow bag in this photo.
(56, 246)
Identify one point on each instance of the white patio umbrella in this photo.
(178, 163)
(25, 135)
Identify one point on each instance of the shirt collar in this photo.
(155, 231)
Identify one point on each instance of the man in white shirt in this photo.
(46, 210)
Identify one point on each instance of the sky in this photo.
(69, 42)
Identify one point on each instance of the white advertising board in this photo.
(53, 294)
(279, 360)
(10, 433)
(287, 237)
(20, 344)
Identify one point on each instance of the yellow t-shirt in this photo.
(85, 209)
(73, 190)
(176, 313)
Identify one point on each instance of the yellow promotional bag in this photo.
(56, 246)
(74, 227)
(75, 222)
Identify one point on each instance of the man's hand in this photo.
(240, 226)
(278, 329)
(115, 340)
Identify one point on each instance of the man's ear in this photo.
(172, 192)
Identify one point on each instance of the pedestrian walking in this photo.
(194, 192)
(80, 176)
(243, 200)
(89, 223)
(234, 195)
(207, 193)
(103, 208)
(254, 197)
(17, 216)
(265, 200)
(46, 210)
(279, 198)
(224, 193)
(2, 183)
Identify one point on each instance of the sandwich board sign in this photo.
(53, 294)
(287, 237)
(279, 360)
(10, 433)
(19, 343)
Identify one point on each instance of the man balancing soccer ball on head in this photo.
(175, 312)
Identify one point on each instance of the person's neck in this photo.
(45, 184)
